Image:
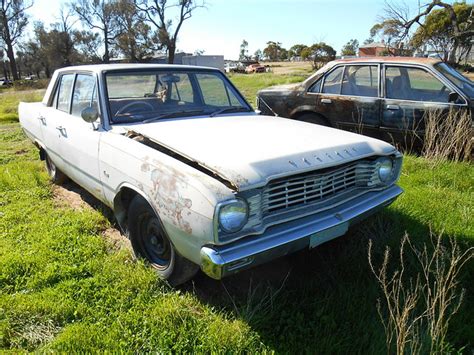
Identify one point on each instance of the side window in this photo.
(414, 84)
(84, 94)
(64, 94)
(332, 83)
(182, 90)
(360, 80)
(215, 92)
(316, 87)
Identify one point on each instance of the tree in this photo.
(13, 20)
(397, 24)
(437, 32)
(243, 54)
(305, 53)
(258, 55)
(156, 13)
(99, 15)
(350, 48)
(274, 51)
(295, 51)
(322, 53)
(135, 39)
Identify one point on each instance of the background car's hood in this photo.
(248, 150)
(287, 88)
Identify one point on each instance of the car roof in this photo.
(409, 60)
(98, 68)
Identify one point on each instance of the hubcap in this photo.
(155, 245)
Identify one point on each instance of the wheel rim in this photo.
(154, 245)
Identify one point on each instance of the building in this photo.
(372, 49)
(213, 61)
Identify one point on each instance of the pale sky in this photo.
(223, 24)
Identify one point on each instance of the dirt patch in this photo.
(71, 195)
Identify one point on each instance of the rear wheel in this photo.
(56, 175)
(150, 242)
(313, 118)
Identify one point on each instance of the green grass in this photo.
(63, 287)
(249, 84)
(9, 103)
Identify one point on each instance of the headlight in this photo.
(385, 169)
(233, 215)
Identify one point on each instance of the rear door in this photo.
(410, 93)
(53, 119)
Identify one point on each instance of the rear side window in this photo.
(332, 83)
(84, 94)
(64, 94)
(360, 80)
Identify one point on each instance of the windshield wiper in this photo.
(171, 114)
(230, 109)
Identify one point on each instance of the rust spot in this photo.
(167, 183)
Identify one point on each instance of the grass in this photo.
(249, 84)
(63, 287)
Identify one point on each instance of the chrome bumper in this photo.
(220, 261)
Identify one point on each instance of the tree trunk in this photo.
(452, 54)
(171, 52)
(11, 59)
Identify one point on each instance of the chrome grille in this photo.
(313, 187)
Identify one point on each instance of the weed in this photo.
(417, 308)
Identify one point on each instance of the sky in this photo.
(220, 28)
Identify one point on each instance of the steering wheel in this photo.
(128, 108)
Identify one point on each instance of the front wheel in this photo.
(150, 242)
(56, 175)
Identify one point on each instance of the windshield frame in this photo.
(447, 71)
(171, 69)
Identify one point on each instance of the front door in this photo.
(411, 93)
(81, 139)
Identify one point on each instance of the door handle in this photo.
(62, 130)
(326, 101)
(42, 119)
(393, 107)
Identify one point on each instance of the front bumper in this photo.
(286, 238)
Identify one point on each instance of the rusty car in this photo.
(195, 177)
(382, 97)
(255, 68)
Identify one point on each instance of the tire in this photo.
(313, 118)
(150, 242)
(56, 175)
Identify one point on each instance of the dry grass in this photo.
(448, 136)
(416, 311)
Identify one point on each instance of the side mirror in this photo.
(453, 97)
(90, 114)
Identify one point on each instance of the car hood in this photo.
(249, 150)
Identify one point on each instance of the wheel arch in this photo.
(126, 193)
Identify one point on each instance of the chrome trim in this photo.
(259, 222)
(221, 261)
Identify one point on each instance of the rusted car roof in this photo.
(414, 60)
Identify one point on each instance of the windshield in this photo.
(461, 82)
(145, 96)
